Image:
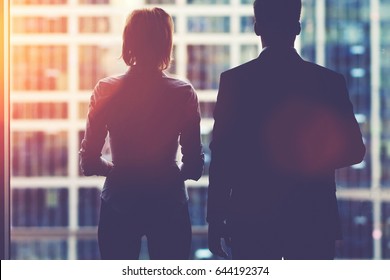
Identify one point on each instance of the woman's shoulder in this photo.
(179, 84)
(107, 86)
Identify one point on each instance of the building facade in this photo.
(61, 48)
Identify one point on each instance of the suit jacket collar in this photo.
(276, 54)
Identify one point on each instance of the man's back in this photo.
(283, 125)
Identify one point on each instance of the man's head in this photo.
(277, 21)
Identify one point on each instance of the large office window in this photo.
(61, 48)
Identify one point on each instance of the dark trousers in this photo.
(166, 226)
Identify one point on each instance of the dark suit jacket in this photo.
(282, 127)
(146, 115)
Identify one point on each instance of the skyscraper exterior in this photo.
(61, 48)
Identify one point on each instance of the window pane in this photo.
(87, 249)
(39, 68)
(36, 25)
(159, 1)
(91, 66)
(94, 25)
(39, 207)
(246, 24)
(39, 2)
(89, 205)
(249, 52)
(356, 222)
(208, 24)
(39, 153)
(40, 110)
(206, 63)
(42, 249)
(386, 230)
(208, 1)
(94, 2)
(197, 205)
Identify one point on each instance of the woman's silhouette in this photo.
(146, 115)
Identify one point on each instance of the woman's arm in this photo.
(91, 160)
(190, 140)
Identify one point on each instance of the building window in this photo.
(94, 2)
(40, 207)
(247, 24)
(206, 63)
(42, 249)
(39, 110)
(356, 223)
(39, 153)
(39, 2)
(37, 25)
(208, 24)
(208, 2)
(91, 66)
(39, 68)
(248, 52)
(88, 206)
(94, 25)
(159, 1)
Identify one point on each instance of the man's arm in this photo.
(353, 147)
(219, 184)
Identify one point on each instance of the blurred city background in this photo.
(61, 48)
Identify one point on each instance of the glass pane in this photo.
(208, 24)
(91, 66)
(246, 24)
(89, 205)
(159, 1)
(208, 1)
(40, 110)
(94, 25)
(39, 153)
(356, 222)
(206, 63)
(43, 249)
(36, 25)
(40, 207)
(38, 68)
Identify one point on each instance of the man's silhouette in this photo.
(282, 127)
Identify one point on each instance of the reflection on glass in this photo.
(39, 153)
(206, 63)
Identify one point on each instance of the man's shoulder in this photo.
(241, 69)
(320, 71)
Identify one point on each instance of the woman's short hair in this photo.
(147, 38)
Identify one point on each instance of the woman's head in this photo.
(147, 39)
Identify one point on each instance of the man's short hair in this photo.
(280, 15)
